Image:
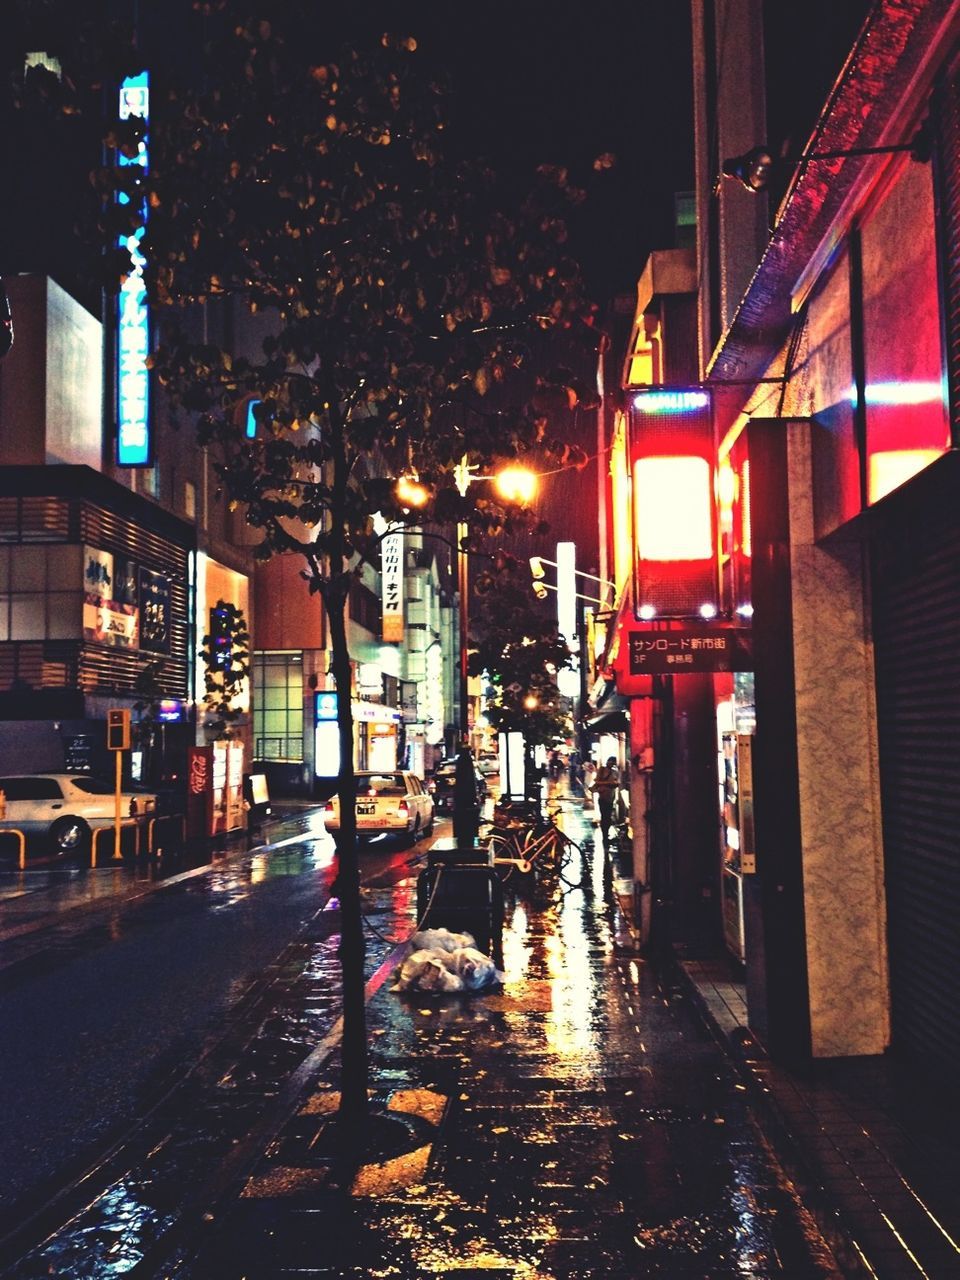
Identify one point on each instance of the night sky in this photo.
(532, 81)
(554, 82)
(562, 82)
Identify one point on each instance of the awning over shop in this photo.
(614, 720)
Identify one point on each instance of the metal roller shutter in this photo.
(917, 639)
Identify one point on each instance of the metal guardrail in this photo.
(139, 824)
(165, 818)
(112, 830)
(15, 831)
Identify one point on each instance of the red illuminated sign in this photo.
(673, 472)
(199, 791)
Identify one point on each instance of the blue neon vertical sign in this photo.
(134, 443)
(251, 420)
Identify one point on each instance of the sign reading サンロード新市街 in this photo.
(689, 649)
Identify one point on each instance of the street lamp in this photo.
(411, 493)
(755, 167)
(515, 484)
(571, 616)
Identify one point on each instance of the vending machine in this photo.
(229, 813)
(739, 851)
(731, 882)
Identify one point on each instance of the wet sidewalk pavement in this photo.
(580, 1122)
(873, 1147)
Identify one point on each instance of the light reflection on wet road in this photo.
(108, 987)
(593, 1128)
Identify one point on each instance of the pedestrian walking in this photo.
(606, 785)
(589, 798)
(575, 772)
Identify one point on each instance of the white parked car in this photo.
(488, 762)
(391, 803)
(65, 807)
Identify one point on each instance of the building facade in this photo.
(828, 351)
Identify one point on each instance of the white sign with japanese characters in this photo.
(391, 554)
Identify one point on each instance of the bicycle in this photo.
(532, 847)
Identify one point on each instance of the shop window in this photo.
(278, 706)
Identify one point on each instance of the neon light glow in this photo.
(899, 393)
(620, 521)
(251, 421)
(888, 471)
(133, 317)
(673, 514)
(907, 430)
(516, 484)
(745, 544)
(671, 401)
(727, 486)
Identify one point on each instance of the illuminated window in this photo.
(278, 706)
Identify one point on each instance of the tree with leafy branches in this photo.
(225, 651)
(514, 642)
(404, 306)
(148, 727)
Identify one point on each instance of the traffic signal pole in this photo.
(118, 741)
(117, 853)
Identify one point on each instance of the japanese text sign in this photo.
(688, 650)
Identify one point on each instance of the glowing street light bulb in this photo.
(531, 702)
(516, 484)
(411, 493)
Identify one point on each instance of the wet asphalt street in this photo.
(112, 991)
(577, 1123)
(104, 1009)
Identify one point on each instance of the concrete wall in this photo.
(51, 382)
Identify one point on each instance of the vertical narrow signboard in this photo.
(134, 442)
(391, 553)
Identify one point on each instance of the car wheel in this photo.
(428, 829)
(69, 835)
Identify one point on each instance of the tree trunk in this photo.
(354, 1072)
(354, 1064)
